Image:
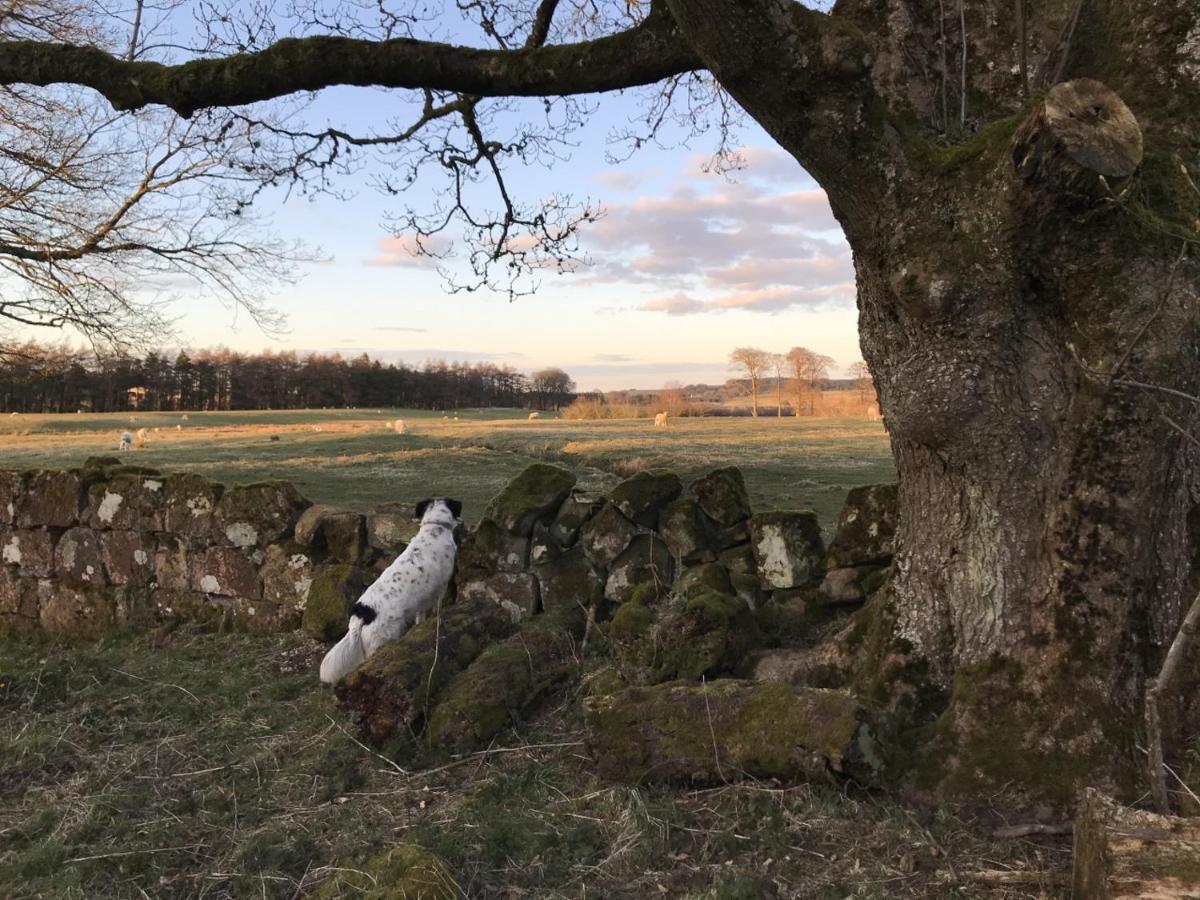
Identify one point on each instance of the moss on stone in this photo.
(641, 496)
(722, 729)
(505, 680)
(722, 495)
(332, 593)
(533, 495)
(407, 872)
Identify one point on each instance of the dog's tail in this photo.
(346, 655)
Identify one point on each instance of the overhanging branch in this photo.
(641, 55)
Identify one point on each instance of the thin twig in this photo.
(1017, 831)
(712, 732)
(390, 762)
(1155, 689)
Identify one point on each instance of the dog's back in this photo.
(403, 594)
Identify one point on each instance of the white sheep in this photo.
(399, 427)
(534, 415)
(141, 438)
(660, 420)
(126, 440)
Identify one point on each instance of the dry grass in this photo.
(352, 458)
(202, 765)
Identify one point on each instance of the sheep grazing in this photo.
(534, 415)
(141, 438)
(185, 418)
(126, 440)
(179, 428)
(660, 420)
(399, 427)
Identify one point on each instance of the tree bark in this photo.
(1042, 547)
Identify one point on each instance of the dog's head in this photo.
(441, 510)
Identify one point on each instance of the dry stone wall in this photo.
(675, 574)
(105, 545)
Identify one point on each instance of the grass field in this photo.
(197, 765)
(350, 457)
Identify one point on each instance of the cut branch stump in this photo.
(1129, 853)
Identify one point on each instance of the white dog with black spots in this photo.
(406, 591)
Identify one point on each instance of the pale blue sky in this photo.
(685, 266)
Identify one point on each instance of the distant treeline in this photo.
(41, 379)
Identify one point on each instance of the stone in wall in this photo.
(287, 575)
(129, 556)
(575, 510)
(331, 595)
(307, 532)
(226, 572)
(686, 531)
(788, 550)
(722, 495)
(532, 496)
(49, 499)
(127, 503)
(866, 528)
(172, 568)
(390, 527)
(345, 535)
(18, 605)
(255, 515)
(606, 535)
(78, 560)
(189, 502)
(568, 581)
(490, 549)
(31, 550)
(515, 592)
(66, 610)
(641, 496)
(11, 487)
(645, 562)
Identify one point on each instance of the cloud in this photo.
(711, 244)
(399, 328)
(405, 250)
(613, 358)
(678, 304)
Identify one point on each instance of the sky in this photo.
(683, 265)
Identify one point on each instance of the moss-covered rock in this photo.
(606, 535)
(720, 730)
(570, 581)
(722, 495)
(742, 567)
(506, 679)
(641, 496)
(575, 510)
(687, 532)
(407, 872)
(532, 496)
(706, 635)
(287, 576)
(331, 593)
(390, 693)
(543, 545)
(709, 577)
(866, 528)
(128, 503)
(788, 550)
(644, 562)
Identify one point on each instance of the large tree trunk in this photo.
(1002, 281)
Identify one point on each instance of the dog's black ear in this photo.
(455, 507)
(421, 507)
